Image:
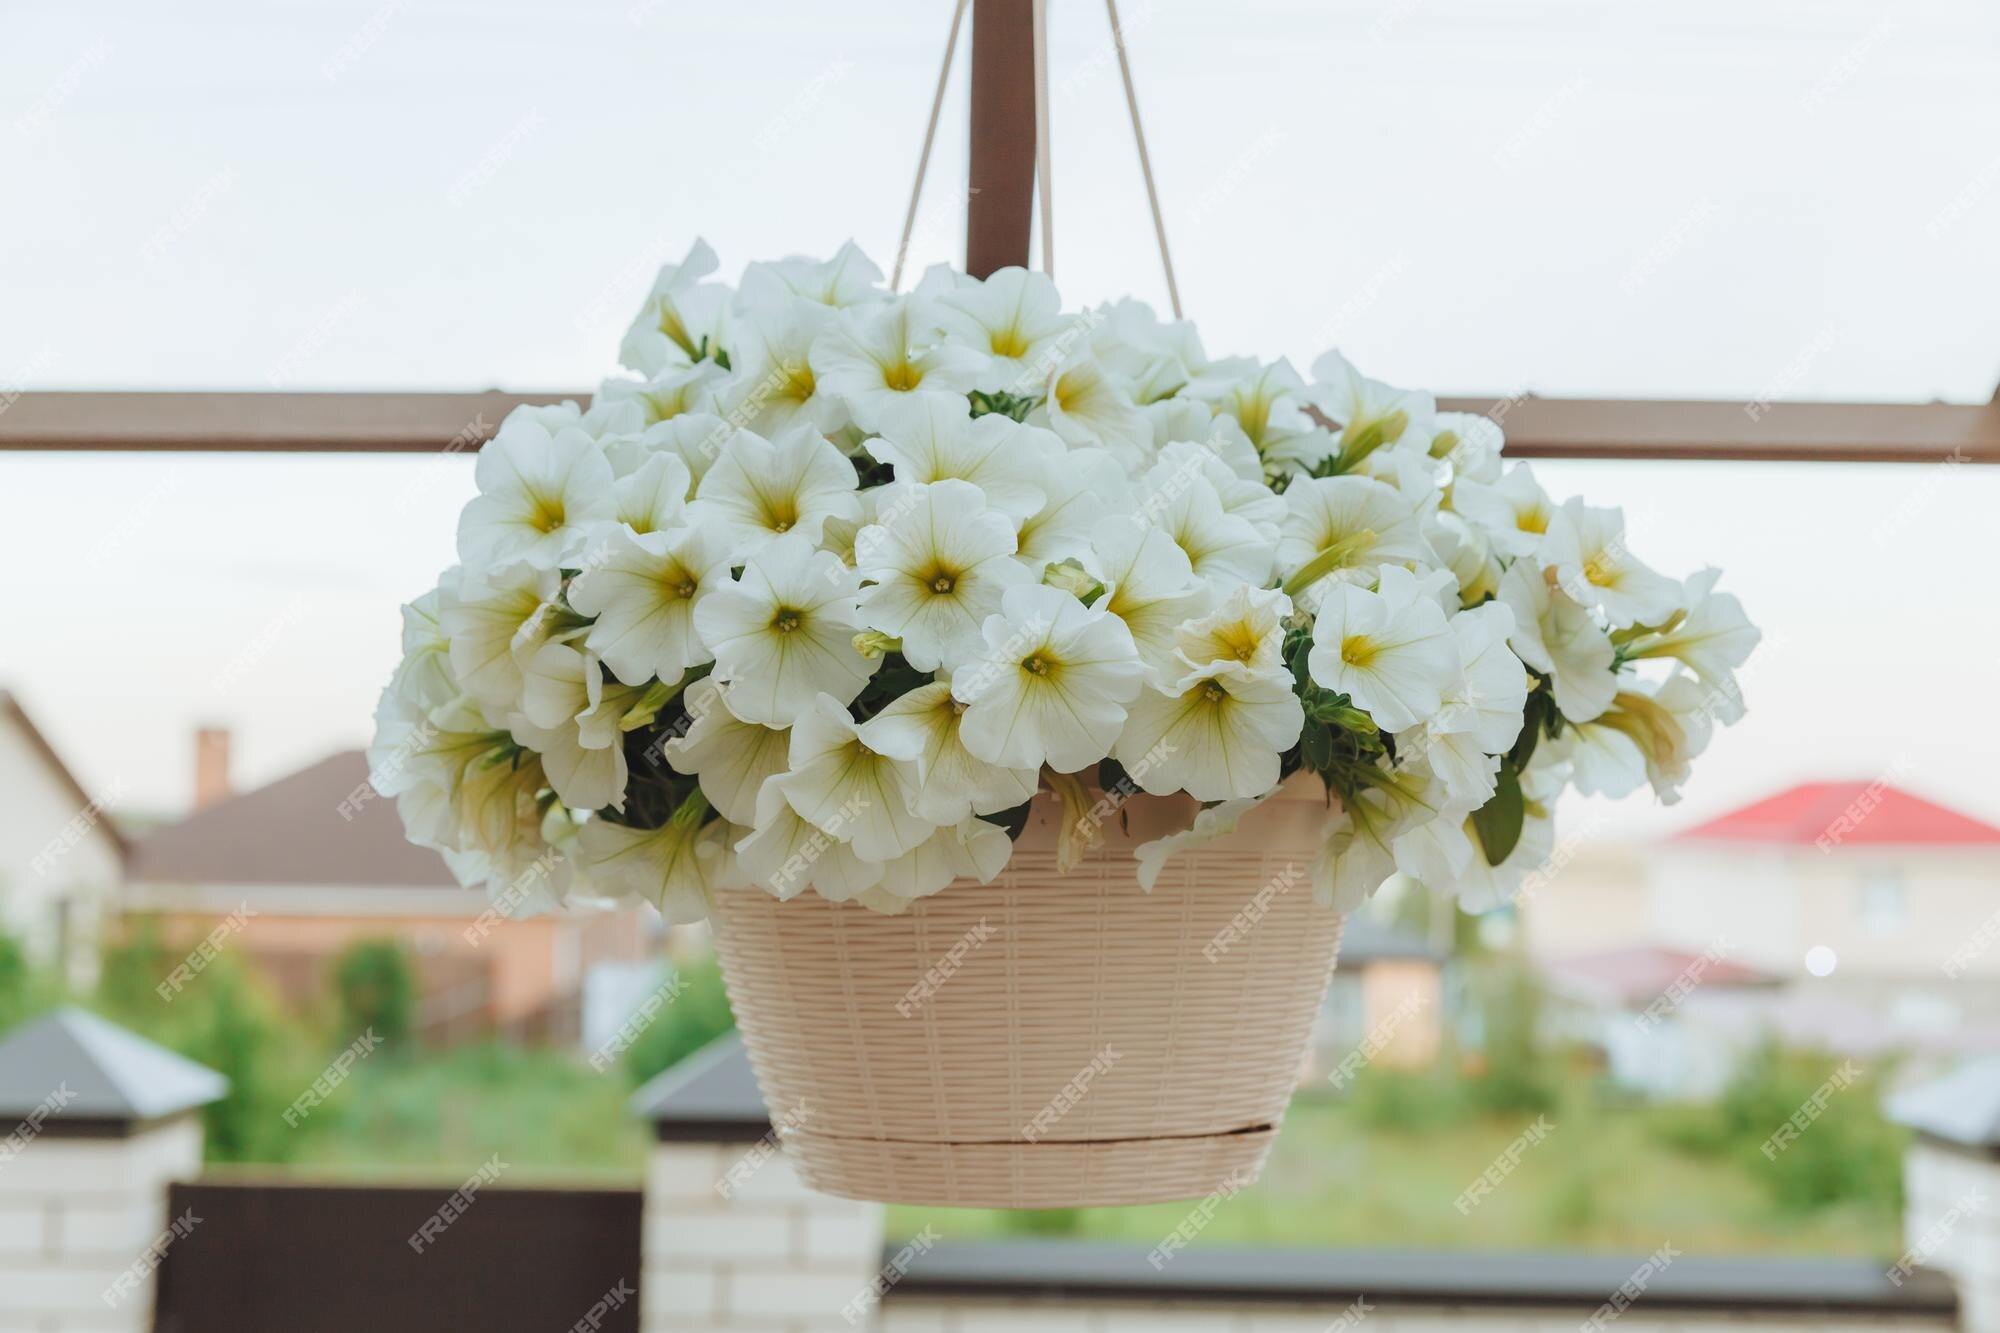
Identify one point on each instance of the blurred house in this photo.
(1874, 911)
(60, 856)
(292, 873)
(1387, 994)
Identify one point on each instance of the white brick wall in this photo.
(75, 1213)
(771, 1256)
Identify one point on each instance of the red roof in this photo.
(1847, 814)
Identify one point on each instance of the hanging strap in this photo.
(930, 136)
(1145, 161)
(1044, 170)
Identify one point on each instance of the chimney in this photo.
(211, 766)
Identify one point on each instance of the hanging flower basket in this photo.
(1023, 693)
(1049, 1039)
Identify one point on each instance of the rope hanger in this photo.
(1044, 181)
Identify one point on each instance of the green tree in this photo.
(1519, 1076)
(698, 1015)
(17, 984)
(376, 989)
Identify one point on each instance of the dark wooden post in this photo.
(1002, 175)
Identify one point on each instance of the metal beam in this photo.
(1001, 177)
(1535, 427)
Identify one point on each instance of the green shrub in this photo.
(698, 1015)
(1408, 1100)
(376, 989)
(1042, 1221)
(1846, 1154)
(1518, 1077)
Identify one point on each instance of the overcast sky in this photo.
(1719, 198)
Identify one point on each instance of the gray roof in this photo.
(1963, 1107)
(93, 1070)
(711, 1095)
(321, 827)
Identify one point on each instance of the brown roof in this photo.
(11, 707)
(294, 831)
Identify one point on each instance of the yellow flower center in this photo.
(1532, 520)
(799, 382)
(943, 583)
(1358, 650)
(1214, 693)
(1037, 665)
(787, 620)
(1009, 342)
(1238, 641)
(547, 515)
(902, 377)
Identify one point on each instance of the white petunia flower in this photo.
(1482, 713)
(761, 488)
(947, 784)
(1371, 415)
(424, 676)
(643, 593)
(869, 358)
(538, 496)
(1389, 651)
(784, 632)
(1183, 503)
(1014, 321)
(492, 620)
(1087, 406)
(772, 387)
(1713, 639)
(695, 438)
(683, 320)
(1152, 358)
(1247, 499)
(1350, 865)
(1343, 528)
(938, 558)
(1483, 888)
(1514, 512)
(1218, 732)
(730, 756)
(1247, 628)
(849, 278)
(1471, 443)
(1052, 685)
(649, 499)
(1561, 640)
(1586, 547)
(784, 854)
(1466, 551)
(973, 849)
(1268, 403)
(931, 437)
(1083, 486)
(675, 392)
(842, 785)
(1212, 822)
(569, 718)
(675, 867)
(1151, 586)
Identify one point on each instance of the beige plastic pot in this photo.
(1046, 1040)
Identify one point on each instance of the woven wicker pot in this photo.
(1045, 1040)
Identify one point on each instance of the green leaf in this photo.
(1498, 822)
(1316, 743)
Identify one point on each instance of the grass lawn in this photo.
(1600, 1180)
